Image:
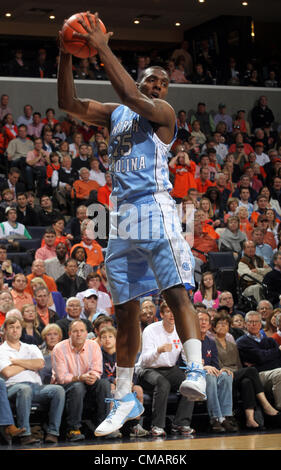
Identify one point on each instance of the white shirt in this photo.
(103, 302)
(153, 336)
(98, 177)
(262, 159)
(26, 351)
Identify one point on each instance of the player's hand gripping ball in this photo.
(78, 46)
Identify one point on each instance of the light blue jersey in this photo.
(147, 252)
(138, 158)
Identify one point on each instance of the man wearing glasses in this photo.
(263, 353)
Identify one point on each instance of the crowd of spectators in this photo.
(203, 67)
(226, 176)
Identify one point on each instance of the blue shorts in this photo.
(147, 252)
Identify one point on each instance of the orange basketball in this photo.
(76, 46)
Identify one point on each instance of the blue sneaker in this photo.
(123, 410)
(194, 386)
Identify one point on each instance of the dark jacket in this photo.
(69, 287)
(273, 283)
(264, 355)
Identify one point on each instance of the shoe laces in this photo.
(192, 369)
(116, 404)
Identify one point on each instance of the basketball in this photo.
(76, 46)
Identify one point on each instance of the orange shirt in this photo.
(83, 188)
(246, 228)
(204, 243)
(2, 318)
(43, 315)
(103, 194)
(202, 187)
(209, 229)
(21, 299)
(94, 255)
(184, 179)
(49, 281)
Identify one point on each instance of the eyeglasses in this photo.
(253, 322)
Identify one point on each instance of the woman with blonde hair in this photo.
(50, 335)
(30, 331)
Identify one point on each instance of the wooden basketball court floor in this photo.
(248, 441)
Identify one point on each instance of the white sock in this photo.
(193, 351)
(124, 379)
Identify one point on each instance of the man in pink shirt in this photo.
(77, 366)
(48, 250)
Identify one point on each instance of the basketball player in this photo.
(142, 131)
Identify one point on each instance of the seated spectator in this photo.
(271, 81)
(7, 201)
(18, 148)
(81, 160)
(269, 238)
(200, 77)
(238, 322)
(265, 308)
(25, 214)
(273, 222)
(157, 371)
(58, 226)
(108, 347)
(219, 382)
(94, 281)
(264, 354)
(18, 67)
(82, 188)
(10, 127)
(54, 165)
(245, 226)
(6, 304)
(261, 207)
(261, 157)
(55, 266)
(231, 208)
(30, 325)
(50, 118)
(147, 313)
(59, 135)
(277, 336)
(19, 295)
(254, 265)
(45, 314)
(36, 167)
(226, 299)
(254, 79)
(19, 365)
(34, 129)
(241, 123)
(262, 249)
(232, 238)
(12, 182)
(95, 173)
(246, 380)
(74, 148)
(74, 225)
(272, 280)
(80, 255)
(222, 116)
(270, 326)
(73, 312)
(241, 149)
(207, 292)
(196, 132)
(11, 229)
(202, 240)
(38, 270)
(176, 75)
(8, 269)
(92, 247)
(69, 284)
(203, 182)
(104, 192)
(56, 301)
(50, 336)
(62, 181)
(88, 300)
(101, 320)
(47, 213)
(80, 378)
(244, 198)
(48, 250)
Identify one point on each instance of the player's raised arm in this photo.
(148, 100)
(90, 111)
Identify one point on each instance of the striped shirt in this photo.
(67, 362)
